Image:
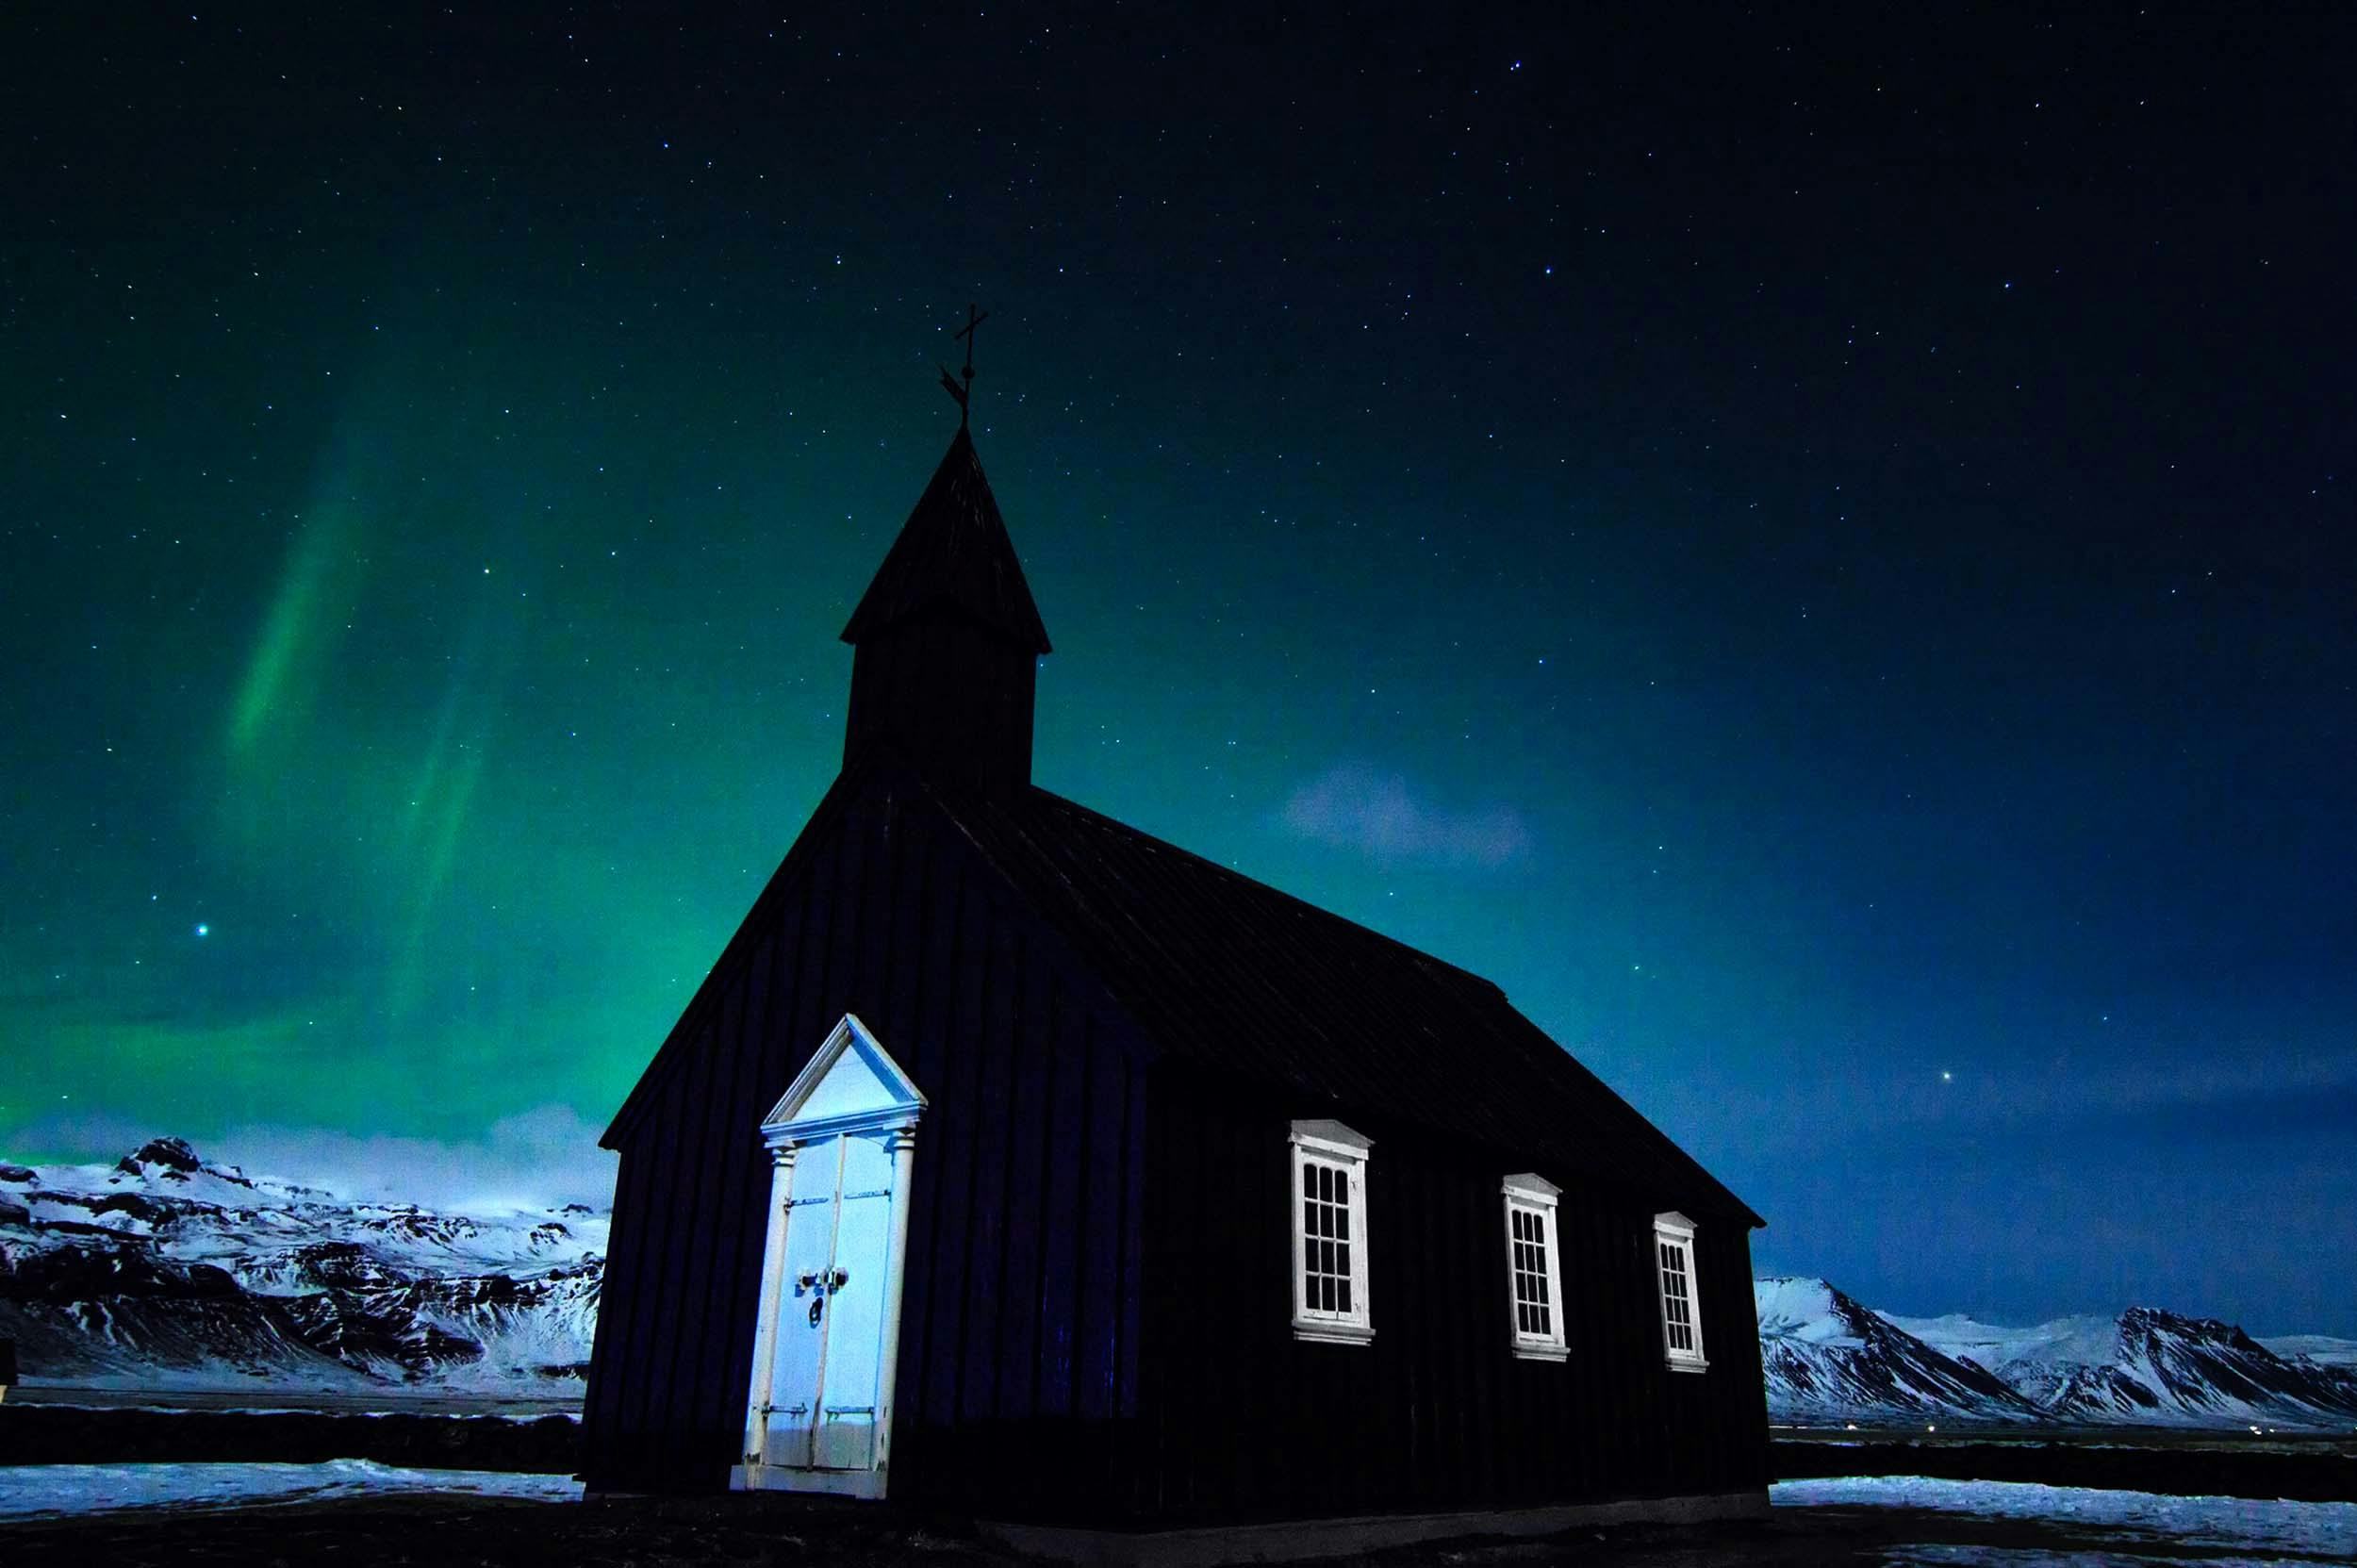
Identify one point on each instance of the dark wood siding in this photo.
(1019, 1319)
(1243, 1421)
(1095, 1326)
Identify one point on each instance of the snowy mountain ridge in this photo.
(1828, 1359)
(167, 1270)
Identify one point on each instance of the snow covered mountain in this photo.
(2321, 1348)
(2149, 1367)
(1830, 1360)
(166, 1270)
(1827, 1358)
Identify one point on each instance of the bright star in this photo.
(204, 931)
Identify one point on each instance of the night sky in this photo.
(1821, 558)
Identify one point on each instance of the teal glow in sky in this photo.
(1823, 566)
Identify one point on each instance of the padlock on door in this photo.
(819, 1282)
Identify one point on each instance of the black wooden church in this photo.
(1014, 1160)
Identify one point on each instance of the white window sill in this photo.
(1333, 1333)
(1681, 1363)
(1543, 1353)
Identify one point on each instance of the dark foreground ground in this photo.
(789, 1533)
(802, 1533)
(2310, 1469)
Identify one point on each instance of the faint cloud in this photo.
(537, 1159)
(1354, 806)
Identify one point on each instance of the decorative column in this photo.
(900, 1144)
(766, 1325)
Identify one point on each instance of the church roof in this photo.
(953, 551)
(1256, 984)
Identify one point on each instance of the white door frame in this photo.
(885, 1110)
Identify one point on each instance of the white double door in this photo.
(825, 1388)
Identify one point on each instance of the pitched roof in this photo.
(1256, 984)
(953, 550)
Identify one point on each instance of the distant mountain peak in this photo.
(168, 1154)
(1825, 1355)
(2147, 1365)
(2144, 1322)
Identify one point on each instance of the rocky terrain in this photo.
(167, 1270)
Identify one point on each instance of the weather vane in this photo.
(949, 383)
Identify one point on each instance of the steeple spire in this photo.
(947, 640)
(948, 383)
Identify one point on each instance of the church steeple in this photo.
(948, 641)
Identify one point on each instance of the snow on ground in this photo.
(2134, 1526)
(49, 1491)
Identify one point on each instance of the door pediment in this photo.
(850, 1084)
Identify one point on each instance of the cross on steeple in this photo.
(948, 383)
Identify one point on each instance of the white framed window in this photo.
(1329, 1230)
(1681, 1303)
(1534, 1282)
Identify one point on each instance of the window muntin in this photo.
(1534, 1276)
(1329, 1233)
(1533, 1309)
(1326, 1238)
(1677, 1299)
(1681, 1306)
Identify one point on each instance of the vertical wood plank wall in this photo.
(1243, 1421)
(1096, 1324)
(1019, 1317)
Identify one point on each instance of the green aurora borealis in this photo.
(1821, 578)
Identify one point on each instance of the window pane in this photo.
(1309, 1181)
(1344, 1285)
(1342, 1221)
(1677, 1297)
(1342, 1256)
